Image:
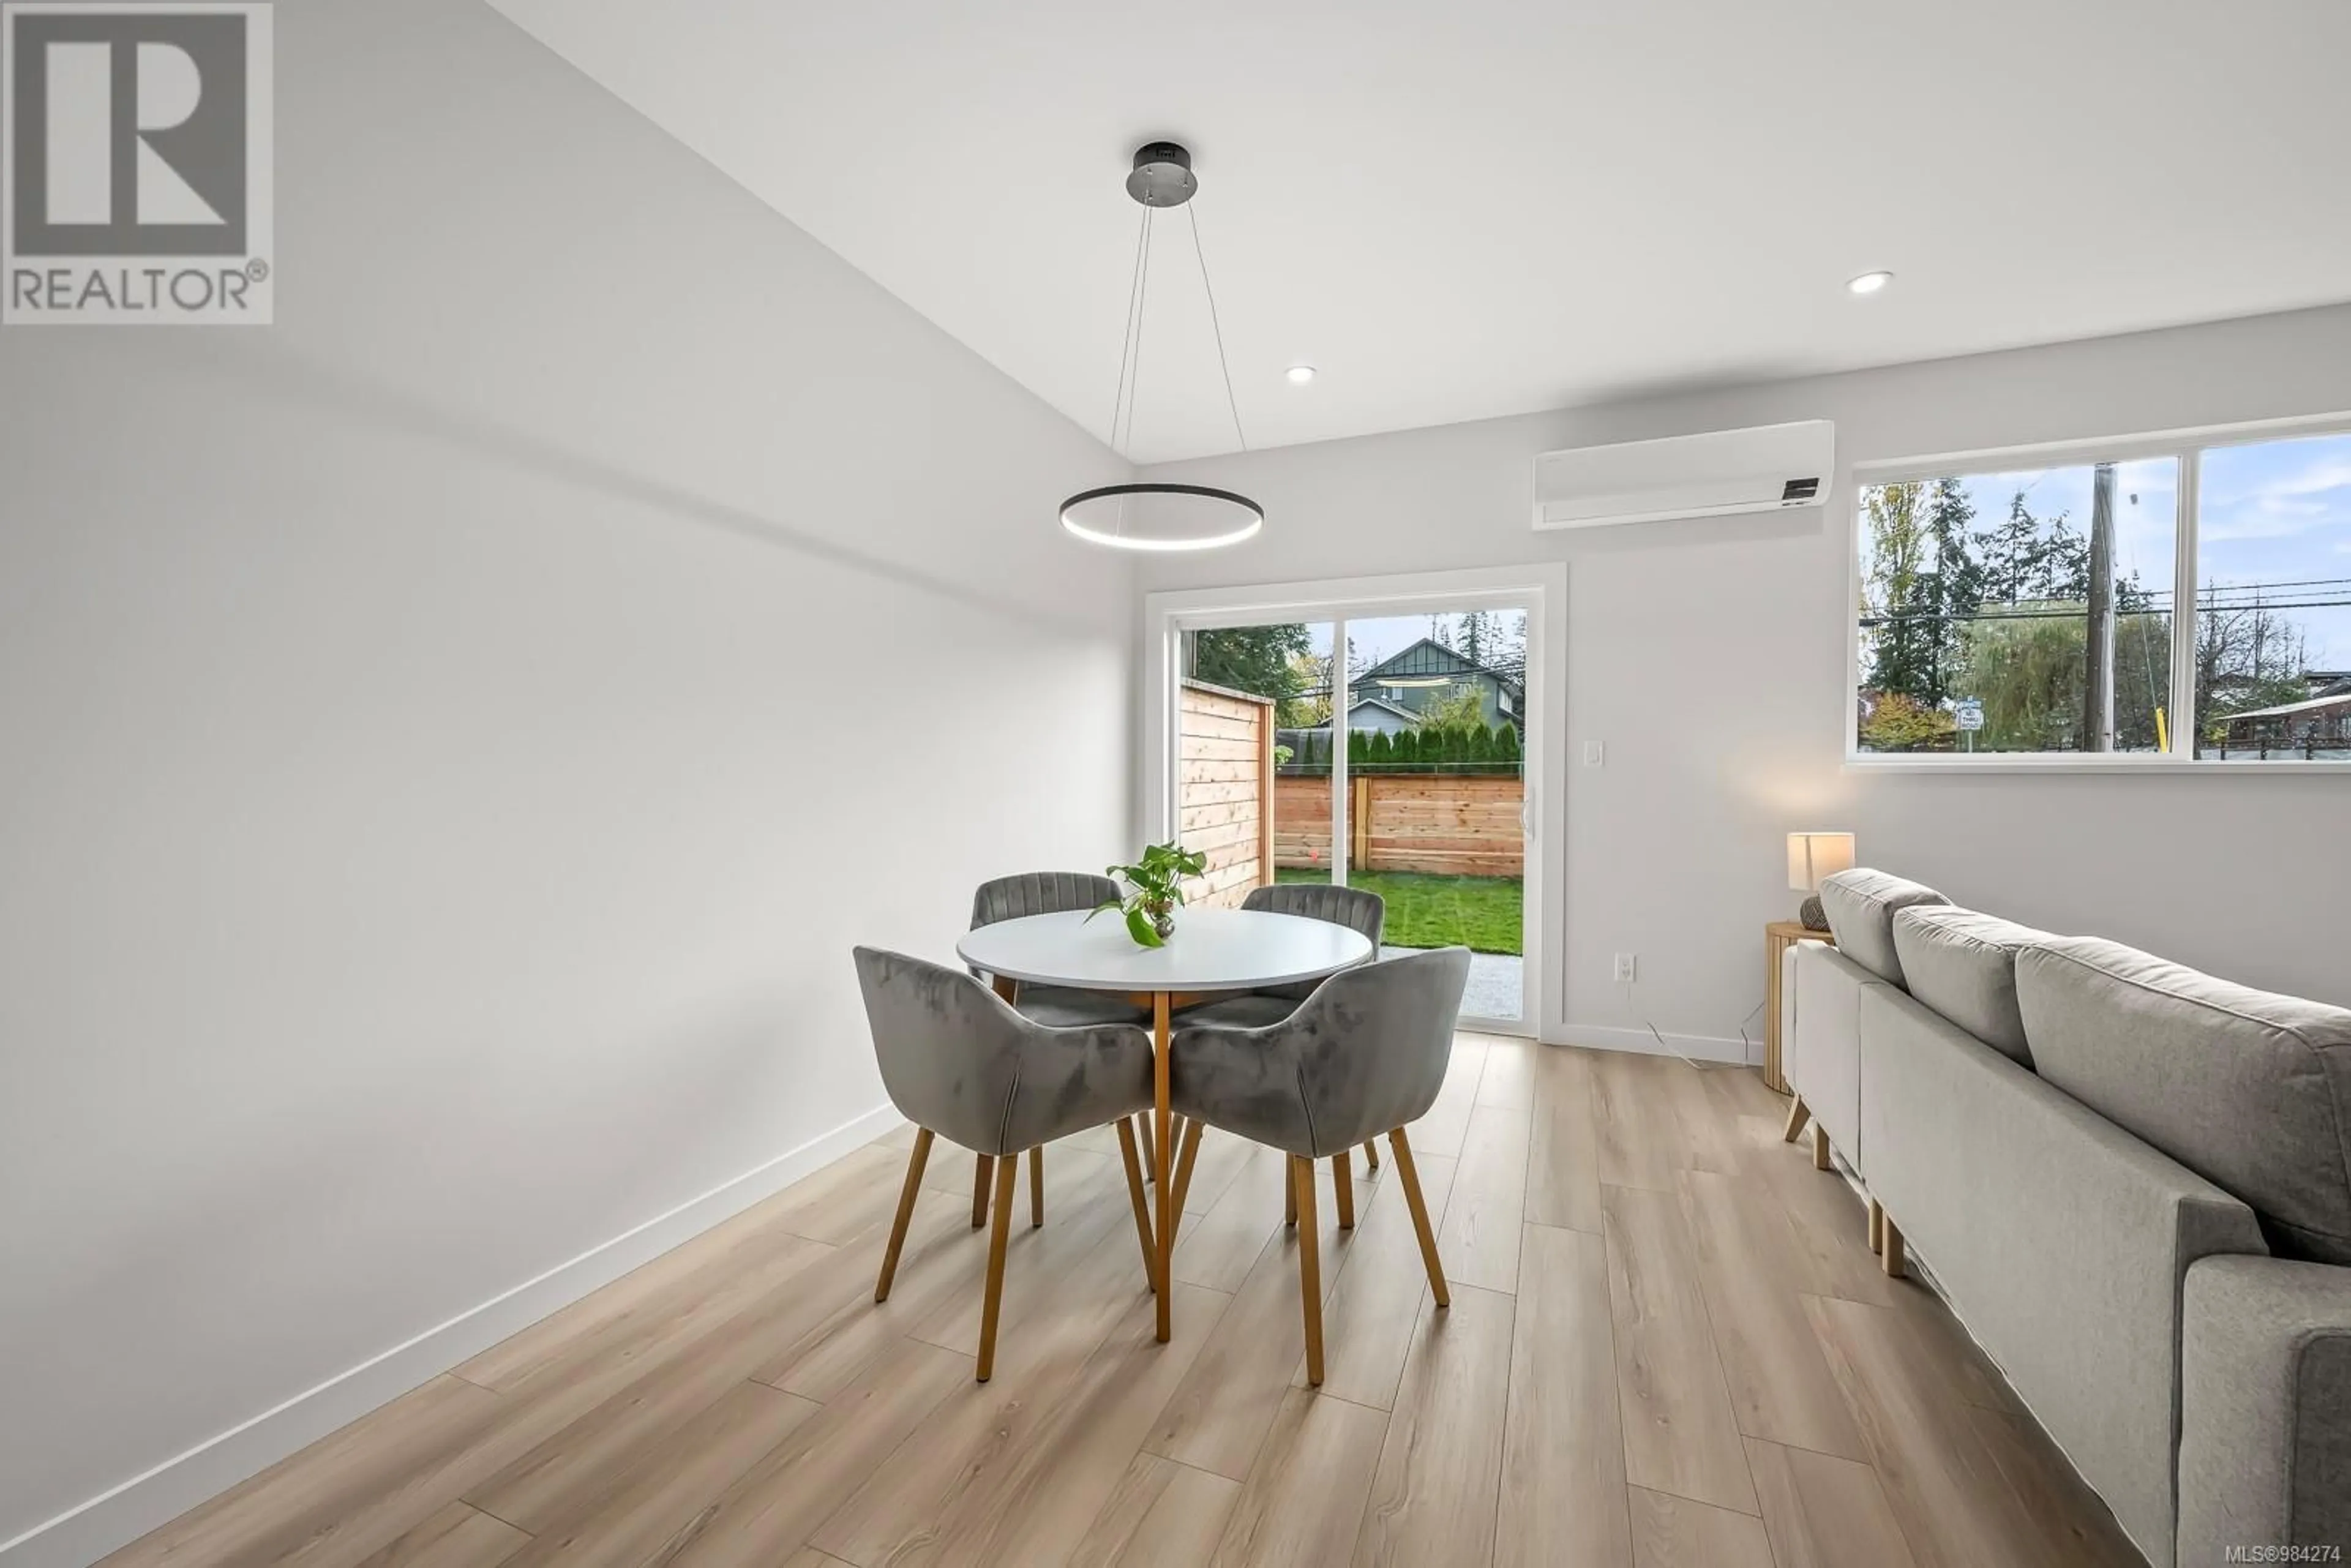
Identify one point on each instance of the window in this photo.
(2272, 601)
(2034, 609)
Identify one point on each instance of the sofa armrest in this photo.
(2266, 1407)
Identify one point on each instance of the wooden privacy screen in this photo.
(1225, 773)
(1453, 824)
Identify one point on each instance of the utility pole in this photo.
(2098, 683)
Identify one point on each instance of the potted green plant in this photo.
(1157, 880)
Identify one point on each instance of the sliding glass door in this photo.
(1387, 750)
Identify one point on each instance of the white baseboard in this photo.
(1610, 1036)
(90, 1529)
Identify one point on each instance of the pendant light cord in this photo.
(1217, 327)
(1130, 342)
(1130, 347)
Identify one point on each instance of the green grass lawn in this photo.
(1423, 911)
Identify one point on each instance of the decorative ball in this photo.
(1814, 917)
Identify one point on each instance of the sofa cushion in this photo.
(1963, 965)
(1861, 906)
(2249, 1090)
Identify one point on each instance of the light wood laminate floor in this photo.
(1668, 1344)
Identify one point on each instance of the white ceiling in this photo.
(1490, 207)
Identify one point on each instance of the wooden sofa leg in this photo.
(1877, 1226)
(1798, 1114)
(1889, 1255)
(1820, 1148)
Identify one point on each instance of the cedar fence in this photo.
(1225, 761)
(1452, 825)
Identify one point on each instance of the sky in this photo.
(2275, 512)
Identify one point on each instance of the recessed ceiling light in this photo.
(1300, 374)
(1870, 282)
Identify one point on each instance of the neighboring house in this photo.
(1381, 717)
(1429, 673)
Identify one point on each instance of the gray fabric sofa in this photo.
(2132, 1182)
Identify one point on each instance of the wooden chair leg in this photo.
(1820, 1148)
(1006, 1173)
(1412, 1200)
(1798, 1114)
(1343, 1187)
(1175, 1194)
(1372, 1151)
(1036, 1187)
(1877, 1226)
(1889, 1257)
(914, 1163)
(1289, 1202)
(981, 1176)
(1141, 1206)
(1309, 1265)
(1142, 1124)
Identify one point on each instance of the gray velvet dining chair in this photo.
(1062, 1006)
(963, 1065)
(1366, 912)
(1364, 1055)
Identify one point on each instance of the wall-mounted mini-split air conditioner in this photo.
(1763, 469)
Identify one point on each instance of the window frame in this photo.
(2185, 446)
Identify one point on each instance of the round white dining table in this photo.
(1212, 952)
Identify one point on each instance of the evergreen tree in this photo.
(1506, 749)
(1923, 582)
(1258, 660)
(1478, 638)
(1379, 752)
(1508, 656)
(2026, 558)
(1404, 748)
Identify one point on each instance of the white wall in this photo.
(1711, 657)
(453, 738)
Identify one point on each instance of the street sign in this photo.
(1969, 714)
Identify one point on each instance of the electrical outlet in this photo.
(1595, 753)
(1628, 965)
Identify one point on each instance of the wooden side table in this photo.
(1778, 936)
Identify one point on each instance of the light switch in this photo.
(1594, 752)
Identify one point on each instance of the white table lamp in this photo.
(1812, 857)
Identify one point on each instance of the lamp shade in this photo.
(1811, 856)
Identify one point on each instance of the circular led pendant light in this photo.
(1161, 517)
